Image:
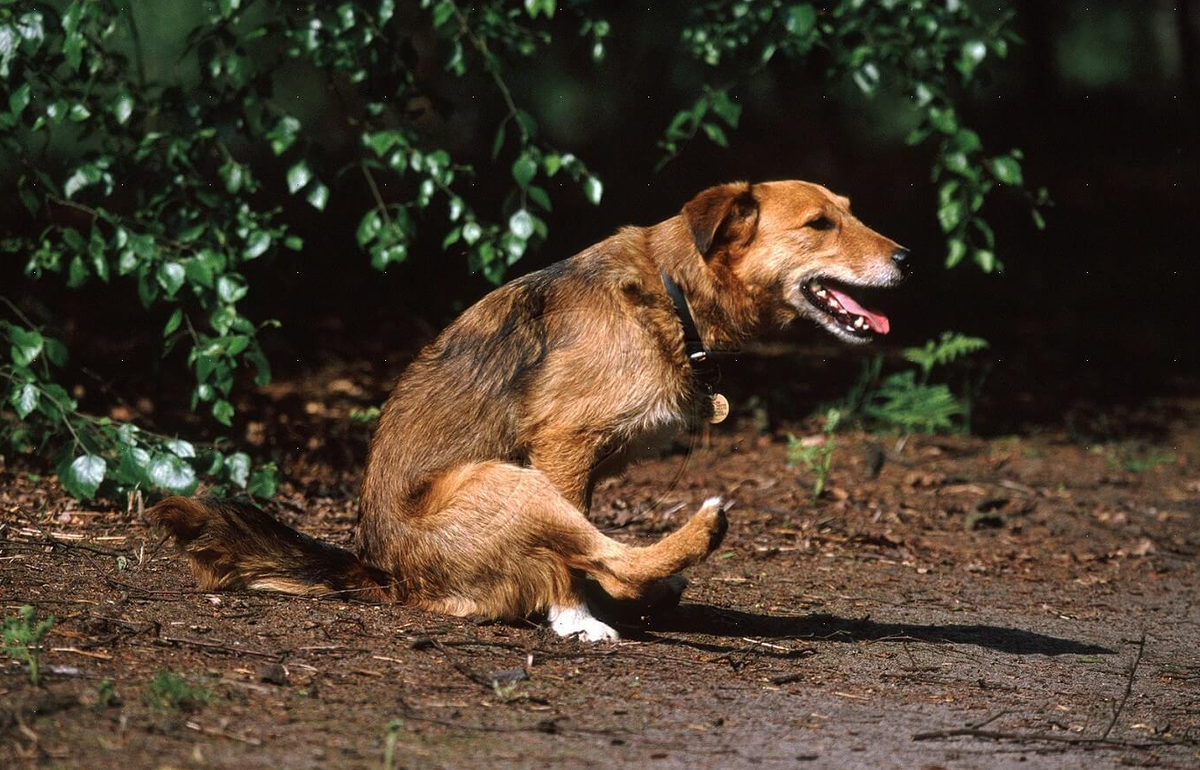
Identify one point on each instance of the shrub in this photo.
(166, 179)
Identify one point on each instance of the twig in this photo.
(276, 656)
(1128, 686)
(429, 641)
(222, 734)
(1075, 740)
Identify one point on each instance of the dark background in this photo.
(1097, 310)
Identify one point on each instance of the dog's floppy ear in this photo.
(722, 216)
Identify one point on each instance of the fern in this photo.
(948, 348)
(912, 407)
(907, 401)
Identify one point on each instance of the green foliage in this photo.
(97, 455)
(23, 639)
(159, 184)
(368, 414)
(169, 692)
(164, 190)
(106, 693)
(816, 457)
(1134, 459)
(389, 742)
(907, 401)
(926, 50)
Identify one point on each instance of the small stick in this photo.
(222, 734)
(1128, 686)
(222, 647)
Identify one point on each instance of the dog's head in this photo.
(797, 247)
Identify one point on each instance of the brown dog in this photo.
(481, 471)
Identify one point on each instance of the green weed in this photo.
(817, 458)
(169, 691)
(23, 639)
(908, 401)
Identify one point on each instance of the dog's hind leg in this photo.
(499, 540)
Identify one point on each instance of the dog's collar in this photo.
(703, 366)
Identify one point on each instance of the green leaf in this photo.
(122, 107)
(77, 272)
(318, 196)
(1007, 170)
(170, 276)
(957, 250)
(169, 472)
(715, 134)
(83, 476)
(56, 352)
(943, 119)
(18, 100)
(867, 77)
(181, 448)
(524, 169)
(264, 482)
(298, 176)
(231, 288)
(539, 196)
(471, 232)
(173, 322)
(726, 108)
(222, 410)
(257, 244)
(593, 190)
(237, 465)
(950, 215)
(26, 345)
(801, 20)
(369, 227)
(283, 134)
(24, 399)
(986, 260)
(970, 56)
(521, 224)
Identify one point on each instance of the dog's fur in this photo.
(481, 471)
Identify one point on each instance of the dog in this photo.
(480, 473)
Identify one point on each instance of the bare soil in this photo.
(1021, 601)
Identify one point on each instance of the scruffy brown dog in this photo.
(481, 471)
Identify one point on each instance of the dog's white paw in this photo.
(716, 501)
(578, 622)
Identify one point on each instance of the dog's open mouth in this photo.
(851, 317)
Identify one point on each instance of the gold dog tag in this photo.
(720, 408)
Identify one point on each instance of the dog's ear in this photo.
(720, 217)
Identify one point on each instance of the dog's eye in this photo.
(820, 223)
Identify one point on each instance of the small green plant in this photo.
(1135, 460)
(169, 692)
(23, 639)
(365, 415)
(389, 744)
(907, 401)
(106, 693)
(817, 458)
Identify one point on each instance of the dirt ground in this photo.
(969, 603)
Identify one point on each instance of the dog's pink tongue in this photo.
(877, 321)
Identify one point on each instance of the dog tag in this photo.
(720, 408)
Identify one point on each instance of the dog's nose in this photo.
(900, 257)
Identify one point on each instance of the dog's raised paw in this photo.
(713, 511)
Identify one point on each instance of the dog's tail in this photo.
(233, 545)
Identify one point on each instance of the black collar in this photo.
(698, 356)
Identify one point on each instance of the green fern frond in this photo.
(949, 347)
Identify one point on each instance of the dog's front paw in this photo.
(580, 623)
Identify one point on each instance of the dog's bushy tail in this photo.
(233, 545)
